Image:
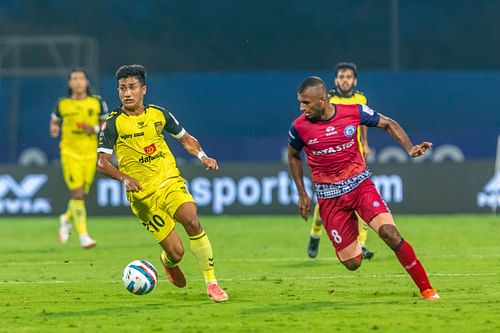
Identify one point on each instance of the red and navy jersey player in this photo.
(328, 133)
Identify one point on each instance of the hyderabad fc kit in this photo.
(78, 148)
(143, 154)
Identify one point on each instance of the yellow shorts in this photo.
(157, 209)
(78, 172)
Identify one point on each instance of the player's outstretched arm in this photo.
(297, 171)
(105, 167)
(192, 146)
(399, 134)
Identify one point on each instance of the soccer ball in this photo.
(140, 277)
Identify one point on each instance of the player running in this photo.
(156, 191)
(77, 118)
(344, 93)
(327, 132)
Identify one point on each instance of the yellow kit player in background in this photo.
(344, 93)
(77, 118)
(156, 191)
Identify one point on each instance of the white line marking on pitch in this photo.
(295, 259)
(321, 277)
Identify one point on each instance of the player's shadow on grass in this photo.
(298, 306)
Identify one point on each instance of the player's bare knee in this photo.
(352, 264)
(390, 235)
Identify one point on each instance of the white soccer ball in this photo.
(140, 277)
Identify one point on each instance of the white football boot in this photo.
(86, 242)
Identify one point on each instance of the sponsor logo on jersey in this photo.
(150, 150)
(151, 158)
(141, 125)
(367, 109)
(129, 136)
(330, 130)
(313, 141)
(333, 150)
(349, 131)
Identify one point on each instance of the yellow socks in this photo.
(363, 233)
(68, 215)
(316, 227)
(79, 213)
(202, 250)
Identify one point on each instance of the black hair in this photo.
(79, 70)
(346, 65)
(137, 71)
(311, 81)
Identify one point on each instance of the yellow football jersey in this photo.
(357, 98)
(140, 146)
(70, 112)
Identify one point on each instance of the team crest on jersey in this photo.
(151, 149)
(159, 127)
(349, 131)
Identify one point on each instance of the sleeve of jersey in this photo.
(107, 137)
(56, 115)
(173, 126)
(368, 116)
(294, 139)
(104, 110)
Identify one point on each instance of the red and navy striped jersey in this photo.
(333, 147)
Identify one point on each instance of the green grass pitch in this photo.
(262, 262)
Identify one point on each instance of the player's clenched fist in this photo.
(419, 150)
(131, 184)
(210, 163)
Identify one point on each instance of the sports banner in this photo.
(264, 188)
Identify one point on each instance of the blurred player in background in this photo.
(156, 191)
(77, 118)
(328, 134)
(346, 79)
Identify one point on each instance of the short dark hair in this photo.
(346, 65)
(79, 70)
(311, 81)
(137, 71)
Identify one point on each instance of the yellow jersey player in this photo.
(77, 119)
(156, 191)
(344, 93)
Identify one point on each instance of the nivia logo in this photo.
(490, 196)
(313, 141)
(22, 200)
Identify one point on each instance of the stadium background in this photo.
(229, 70)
